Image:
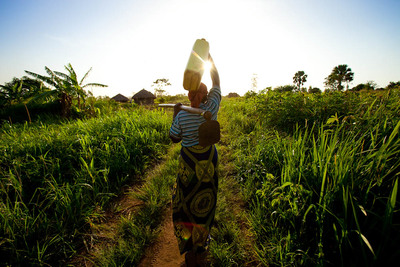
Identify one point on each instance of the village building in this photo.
(120, 98)
(144, 97)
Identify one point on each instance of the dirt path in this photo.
(103, 232)
(165, 251)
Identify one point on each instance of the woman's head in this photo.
(198, 96)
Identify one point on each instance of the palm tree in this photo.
(339, 74)
(299, 79)
(64, 87)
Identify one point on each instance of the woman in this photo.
(195, 191)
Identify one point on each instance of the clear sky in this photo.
(130, 44)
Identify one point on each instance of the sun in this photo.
(207, 66)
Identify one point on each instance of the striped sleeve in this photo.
(176, 130)
(213, 101)
(185, 125)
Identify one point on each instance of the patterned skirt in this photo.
(194, 197)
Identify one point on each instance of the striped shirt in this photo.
(186, 125)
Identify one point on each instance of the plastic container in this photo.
(195, 67)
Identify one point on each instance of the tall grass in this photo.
(324, 192)
(56, 179)
(137, 231)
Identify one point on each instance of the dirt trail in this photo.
(164, 252)
(103, 232)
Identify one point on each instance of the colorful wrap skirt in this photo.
(194, 197)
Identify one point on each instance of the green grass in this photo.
(55, 178)
(319, 193)
(230, 244)
(316, 179)
(139, 230)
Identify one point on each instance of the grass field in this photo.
(306, 180)
(320, 174)
(56, 179)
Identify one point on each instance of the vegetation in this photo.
(306, 179)
(285, 88)
(299, 79)
(136, 231)
(57, 179)
(159, 86)
(320, 174)
(64, 87)
(20, 90)
(339, 74)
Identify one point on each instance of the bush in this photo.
(323, 193)
(29, 112)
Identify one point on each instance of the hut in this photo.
(144, 97)
(233, 95)
(120, 98)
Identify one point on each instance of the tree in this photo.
(11, 92)
(159, 85)
(314, 90)
(339, 74)
(64, 87)
(299, 79)
(254, 82)
(77, 87)
(19, 90)
(393, 85)
(285, 88)
(370, 85)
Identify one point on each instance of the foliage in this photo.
(370, 85)
(138, 230)
(299, 79)
(254, 82)
(314, 90)
(20, 90)
(339, 74)
(29, 112)
(324, 193)
(283, 111)
(56, 179)
(180, 98)
(64, 87)
(159, 86)
(393, 85)
(285, 88)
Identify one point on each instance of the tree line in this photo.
(56, 86)
(68, 90)
(335, 81)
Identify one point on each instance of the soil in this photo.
(103, 231)
(164, 252)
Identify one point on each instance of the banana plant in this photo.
(65, 87)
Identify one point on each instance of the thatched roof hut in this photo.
(144, 97)
(120, 98)
(233, 95)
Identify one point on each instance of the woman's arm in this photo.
(213, 72)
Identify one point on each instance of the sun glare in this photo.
(207, 66)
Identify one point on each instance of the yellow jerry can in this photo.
(195, 66)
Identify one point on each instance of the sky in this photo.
(131, 44)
